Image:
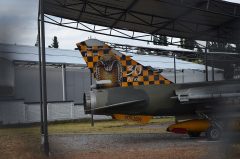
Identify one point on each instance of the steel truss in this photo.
(119, 15)
(119, 33)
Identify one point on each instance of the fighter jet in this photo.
(126, 89)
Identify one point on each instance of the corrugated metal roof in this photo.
(208, 20)
(151, 46)
(162, 62)
(30, 53)
(60, 56)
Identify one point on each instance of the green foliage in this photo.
(237, 49)
(160, 40)
(37, 42)
(220, 47)
(199, 49)
(187, 43)
(55, 43)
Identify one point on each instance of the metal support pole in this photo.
(182, 75)
(40, 77)
(175, 75)
(92, 111)
(206, 64)
(213, 76)
(44, 81)
(64, 82)
(41, 92)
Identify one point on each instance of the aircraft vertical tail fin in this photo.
(121, 70)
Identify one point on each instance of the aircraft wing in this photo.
(207, 93)
(118, 106)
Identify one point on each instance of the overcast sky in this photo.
(18, 25)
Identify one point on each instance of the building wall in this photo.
(12, 112)
(27, 83)
(6, 78)
(6, 73)
(77, 82)
(18, 112)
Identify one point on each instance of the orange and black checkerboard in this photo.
(146, 76)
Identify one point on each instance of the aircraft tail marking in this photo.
(108, 64)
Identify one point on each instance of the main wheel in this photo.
(213, 133)
(194, 134)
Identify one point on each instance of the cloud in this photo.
(18, 21)
(19, 25)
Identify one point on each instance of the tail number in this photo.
(137, 69)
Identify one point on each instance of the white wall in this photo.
(16, 112)
(6, 73)
(27, 83)
(12, 112)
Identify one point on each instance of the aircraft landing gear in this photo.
(214, 132)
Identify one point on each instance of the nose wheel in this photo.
(214, 133)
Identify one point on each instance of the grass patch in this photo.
(112, 126)
(24, 143)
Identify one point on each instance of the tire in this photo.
(213, 133)
(194, 134)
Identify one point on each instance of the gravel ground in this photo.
(163, 145)
(113, 140)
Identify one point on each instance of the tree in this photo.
(221, 47)
(182, 43)
(37, 42)
(199, 49)
(160, 40)
(55, 43)
(237, 49)
(187, 43)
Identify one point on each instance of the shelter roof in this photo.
(208, 20)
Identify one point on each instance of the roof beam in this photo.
(83, 9)
(131, 12)
(199, 4)
(187, 22)
(229, 22)
(126, 11)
